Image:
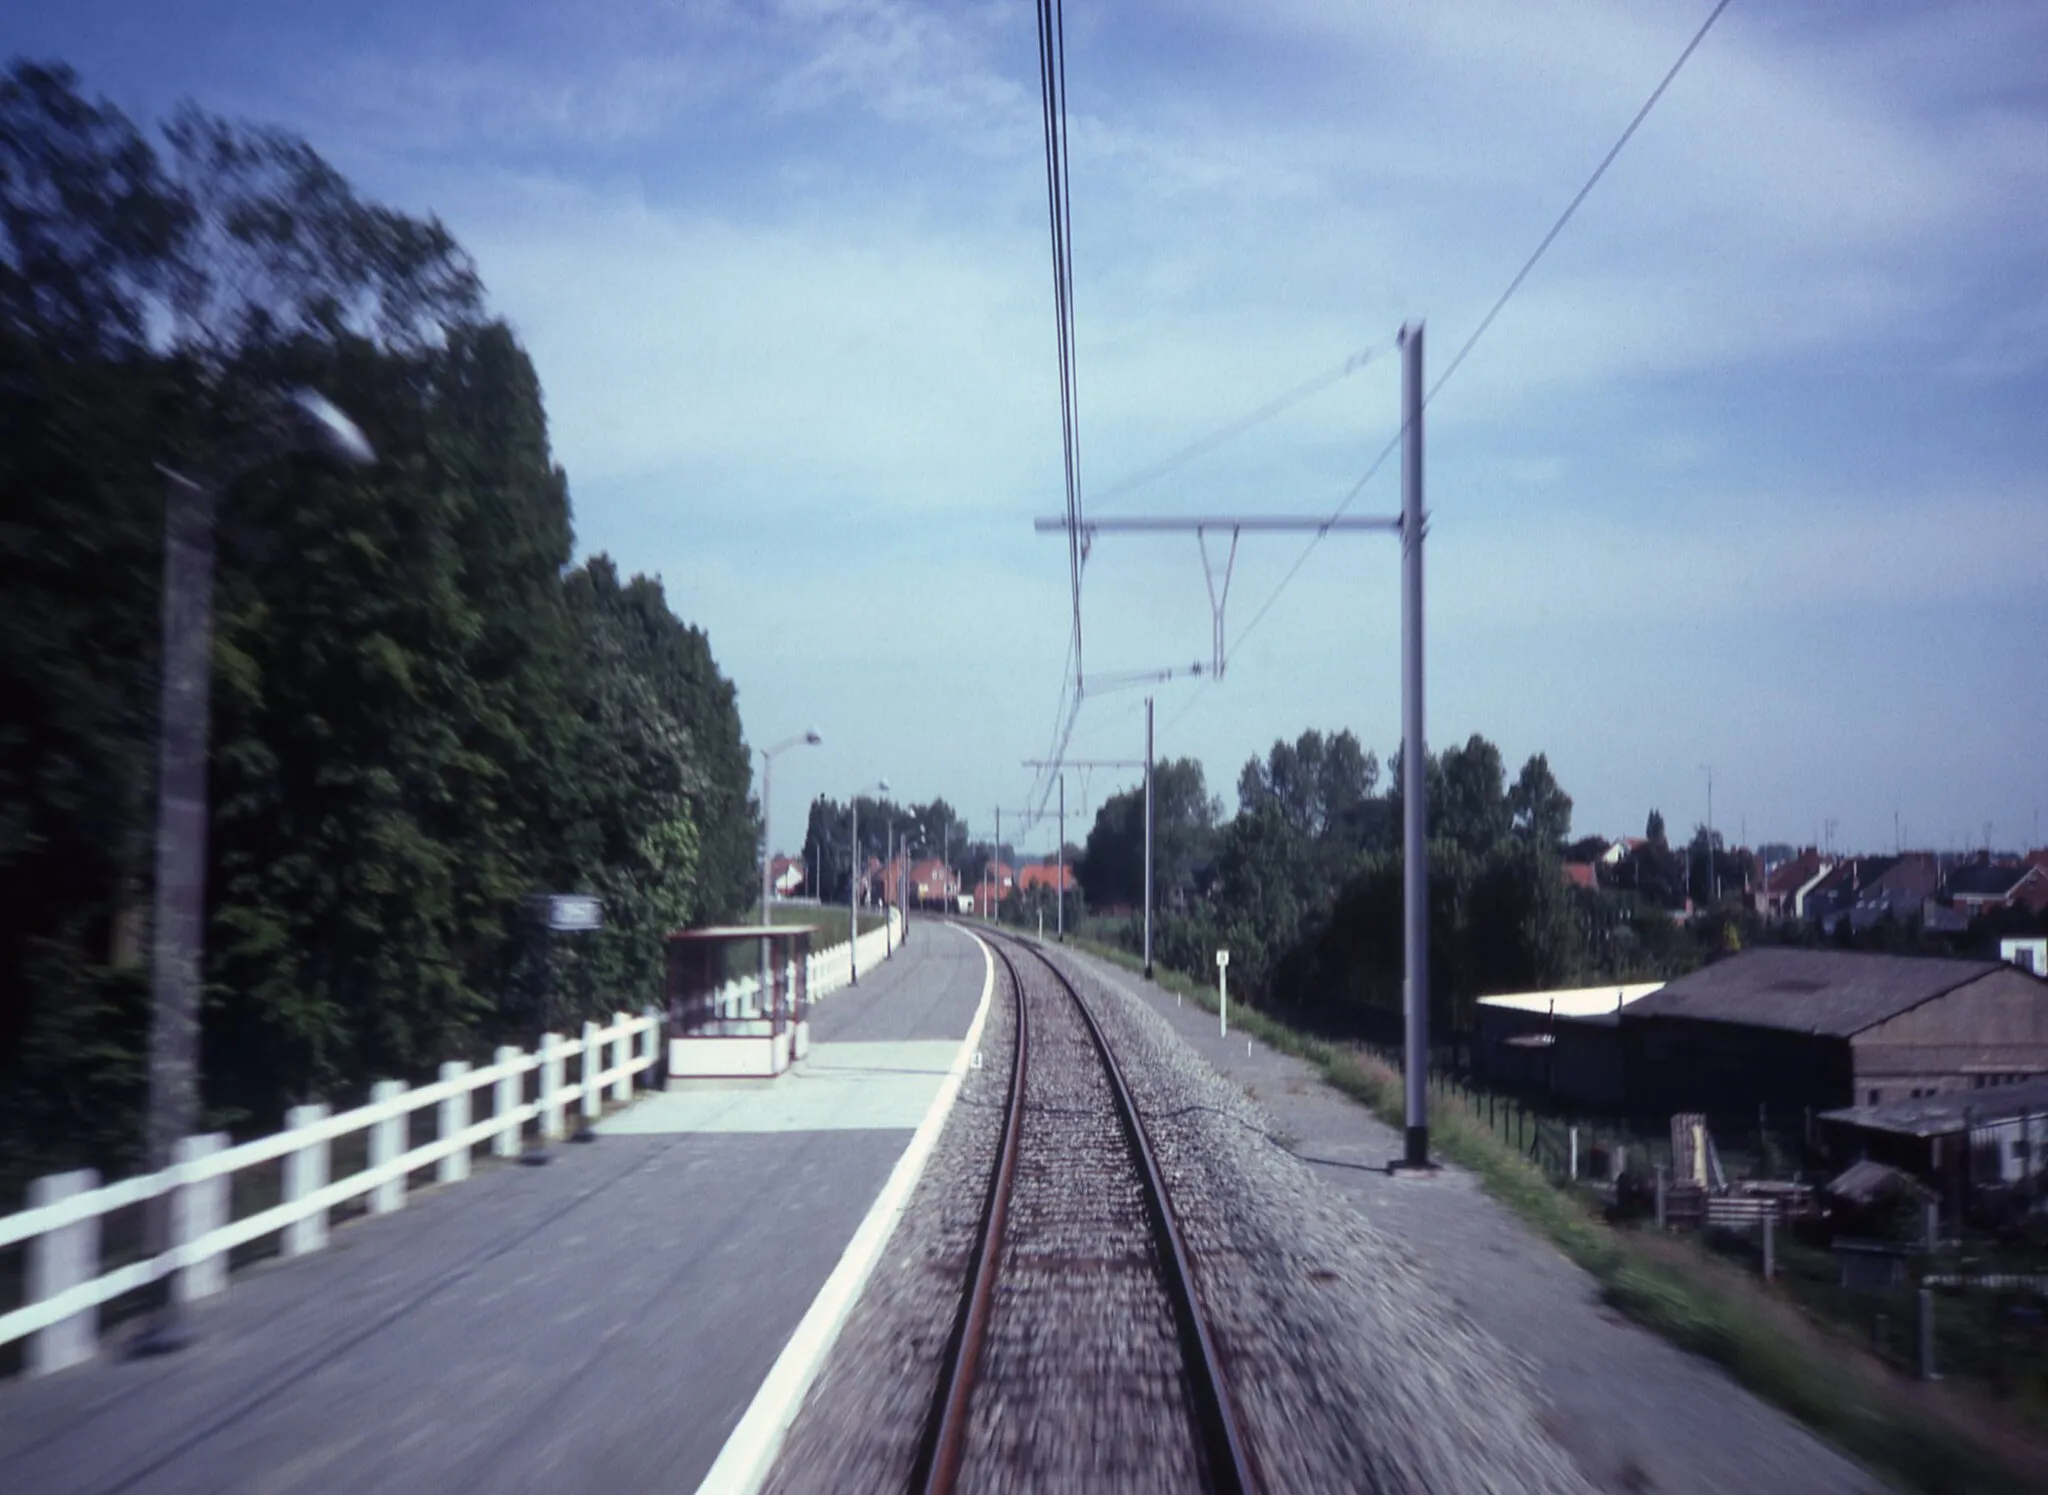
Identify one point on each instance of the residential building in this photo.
(1787, 885)
(1046, 875)
(934, 881)
(1827, 1029)
(1983, 887)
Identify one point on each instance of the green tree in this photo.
(1539, 810)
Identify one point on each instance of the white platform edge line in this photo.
(742, 1465)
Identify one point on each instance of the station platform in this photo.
(607, 1321)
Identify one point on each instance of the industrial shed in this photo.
(1562, 1044)
(1825, 1029)
(1963, 1142)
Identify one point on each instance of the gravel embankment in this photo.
(1348, 1371)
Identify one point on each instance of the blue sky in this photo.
(1748, 474)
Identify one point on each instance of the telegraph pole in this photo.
(1148, 838)
(853, 903)
(1060, 892)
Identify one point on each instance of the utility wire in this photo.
(1052, 77)
(1487, 320)
(1238, 427)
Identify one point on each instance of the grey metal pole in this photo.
(767, 852)
(853, 902)
(1148, 838)
(1060, 891)
(181, 826)
(888, 851)
(1415, 780)
(995, 875)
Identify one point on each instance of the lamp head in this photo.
(323, 428)
(812, 738)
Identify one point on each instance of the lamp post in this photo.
(802, 739)
(889, 863)
(302, 421)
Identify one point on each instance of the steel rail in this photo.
(1224, 1447)
(944, 1443)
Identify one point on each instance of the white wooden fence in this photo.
(825, 971)
(66, 1281)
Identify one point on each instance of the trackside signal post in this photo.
(1411, 524)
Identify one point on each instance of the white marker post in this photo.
(1223, 993)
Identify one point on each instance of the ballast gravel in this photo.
(1348, 1371)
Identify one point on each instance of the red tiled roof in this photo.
(1045, 876)
(1580, 875)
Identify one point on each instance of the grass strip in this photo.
(1698, 1305)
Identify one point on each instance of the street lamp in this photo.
(302, 420)
(853, 895)
(802, 739)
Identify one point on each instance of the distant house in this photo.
(933, 881)
(1046, 875)
(997, 882)
(1864, 890)
(1614, 854)
(787, 875)
(1827, 1029)
(1788, 885)
(1581, 875)
(1982, 887)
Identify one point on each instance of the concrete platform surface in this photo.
(602, 1322)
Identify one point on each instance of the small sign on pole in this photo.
(570, 913)
(1223, 993)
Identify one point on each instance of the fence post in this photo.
(1575, 1155)
(622, 1085)
(1660, 1196)
(453, 1168)
(550, 1098)
(593, 1055)
(387, 1145)
(1770, 1248)
(58, 1260)
(1927, 1334)
(505, 1103)
(305, 1172)
(650, 1038)
(197, 1211)
(1931, 1221)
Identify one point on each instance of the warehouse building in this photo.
(1826, 1029)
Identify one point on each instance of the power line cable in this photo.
(1238, 427)
(1487, 321)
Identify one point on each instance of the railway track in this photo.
(1079, 1355)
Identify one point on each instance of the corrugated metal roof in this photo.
(1950, 1112)
(1809, 991)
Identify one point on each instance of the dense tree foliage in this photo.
(419, 720)
(1184, 816)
